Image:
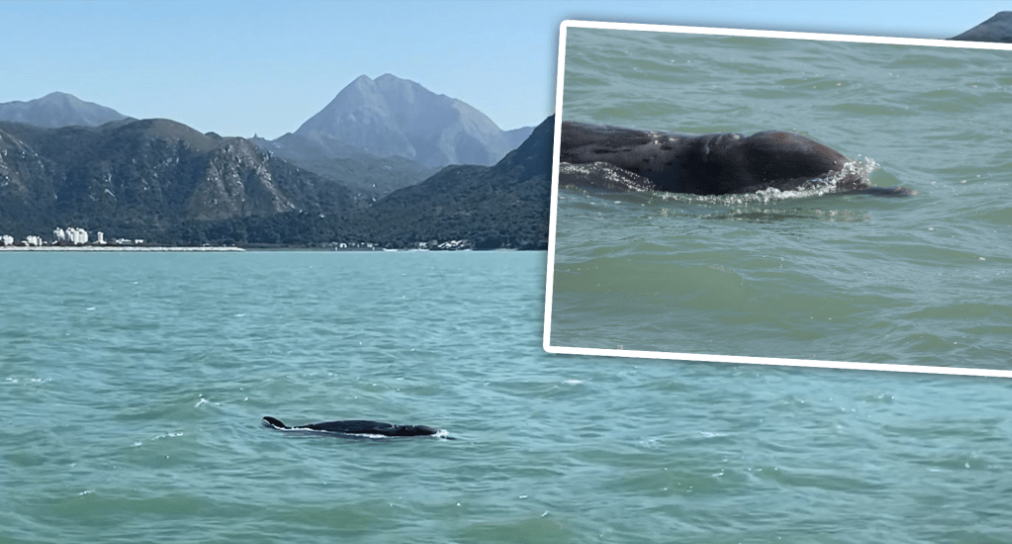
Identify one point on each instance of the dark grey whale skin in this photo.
(713, 164)
(355, 426)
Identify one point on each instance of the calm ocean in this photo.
(132, 387)
(925, 280)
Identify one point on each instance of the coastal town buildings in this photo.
(73, 236)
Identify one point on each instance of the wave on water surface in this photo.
(607, 180)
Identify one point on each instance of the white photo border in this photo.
(919, 369)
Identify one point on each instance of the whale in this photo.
(707, 164)
(354, 427)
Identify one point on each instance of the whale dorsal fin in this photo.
(276, 423)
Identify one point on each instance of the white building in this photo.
(74, 235)
(77, 236)
(100, 238)
(7, 240)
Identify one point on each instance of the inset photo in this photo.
(782, 198)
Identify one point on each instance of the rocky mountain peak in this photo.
(57, 110)
(995, 29)
(390, 116)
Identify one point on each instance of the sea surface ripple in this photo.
(132, 387)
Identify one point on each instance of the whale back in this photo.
(415, 430)
(788, 161)
(708, 164)
(355, 426)
(351, 426)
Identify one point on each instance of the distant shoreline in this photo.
(117, 248)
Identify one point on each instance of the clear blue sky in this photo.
(240, 68)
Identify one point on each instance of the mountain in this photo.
(505, 205)
(461, 207)
(394, 117)
(995, 29)
(58, 110)
(169, 184)
(368, 176)
(142, 178)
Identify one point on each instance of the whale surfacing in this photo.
(355, 427)
(712, 164)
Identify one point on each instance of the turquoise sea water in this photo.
(132, 387)
(925, 280)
